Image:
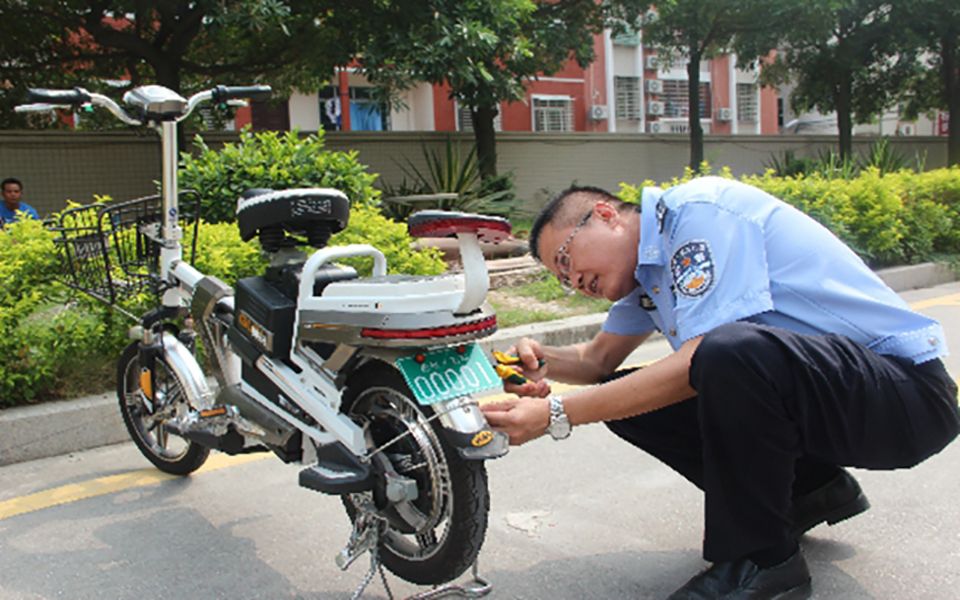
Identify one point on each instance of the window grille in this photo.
(465, 119)
(747, 102)
(628, 97)
(552, 114)
(675, 99)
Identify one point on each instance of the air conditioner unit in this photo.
(906, 129)
(654, 86)
(599, 112)
(651, 62)
(655, 108)
(655, 127)
(724, 114)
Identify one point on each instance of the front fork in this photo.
(154, 339)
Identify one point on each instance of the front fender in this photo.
(187, 370)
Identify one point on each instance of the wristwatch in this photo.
(559, 427)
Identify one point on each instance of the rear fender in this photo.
(464, 425)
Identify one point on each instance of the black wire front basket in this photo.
(110, 251)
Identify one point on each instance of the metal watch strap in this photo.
(559, 427)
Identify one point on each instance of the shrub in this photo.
(270, 159)
(40, 335)
(451, 172)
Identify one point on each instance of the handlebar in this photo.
(222, 93)
(75, 97)
(40, 99)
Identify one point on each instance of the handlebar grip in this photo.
(222, 93)
(74, 97)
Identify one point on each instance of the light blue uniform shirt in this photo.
(714, 251)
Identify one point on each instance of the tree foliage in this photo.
(485, 50)
(696, 30)
(845, 56)
(181, 44)
(935, 83)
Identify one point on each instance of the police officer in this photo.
(791, 359)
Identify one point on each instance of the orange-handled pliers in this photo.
(506, 368)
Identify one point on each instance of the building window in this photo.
(747, 102)
(367, 113)
(628, 97)
(465, 119)
(629, 37)
(552, 113)
(675, 99)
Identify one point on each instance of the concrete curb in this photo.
(55, 428)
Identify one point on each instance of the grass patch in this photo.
(511, 317)
(87, 376)
(541, 300)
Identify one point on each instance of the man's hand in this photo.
(533, 368)
(523, 419)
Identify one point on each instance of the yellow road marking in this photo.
(107, 485)
(951, 300)
(144, 477)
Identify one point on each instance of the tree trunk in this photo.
(844, 118)
(693, 99)
(951, 85)
(486, 139)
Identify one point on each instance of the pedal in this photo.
(337, 479)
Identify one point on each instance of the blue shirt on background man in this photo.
(10, 216)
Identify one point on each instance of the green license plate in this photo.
(448, 373)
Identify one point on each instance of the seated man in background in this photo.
(12, 206)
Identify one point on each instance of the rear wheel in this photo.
(168, 452)
(435, 537)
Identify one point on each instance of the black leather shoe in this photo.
(744, 580)
(838, 500)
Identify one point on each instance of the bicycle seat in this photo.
(315, 213)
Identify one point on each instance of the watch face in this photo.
(560, 429)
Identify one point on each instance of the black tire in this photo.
(466, 505)
(169, 453)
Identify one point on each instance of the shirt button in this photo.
(673, 333)
(656, 290)
(933, 341)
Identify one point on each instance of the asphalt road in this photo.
(589, 517)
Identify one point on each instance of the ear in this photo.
(605, 211)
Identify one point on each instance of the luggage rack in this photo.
(109, 250)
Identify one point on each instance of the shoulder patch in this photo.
(692, 268)
(661, 214)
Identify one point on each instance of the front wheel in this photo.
(168, 452)
(435, 537)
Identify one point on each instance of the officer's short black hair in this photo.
(566, 208)
(11, 180)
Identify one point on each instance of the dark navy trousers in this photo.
(777, 412)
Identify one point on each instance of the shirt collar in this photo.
(649, 252)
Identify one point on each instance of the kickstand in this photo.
(478, 587)
(374, 567)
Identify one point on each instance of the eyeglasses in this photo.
(562, 258)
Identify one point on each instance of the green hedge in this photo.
(896, 218)
(268, 159)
